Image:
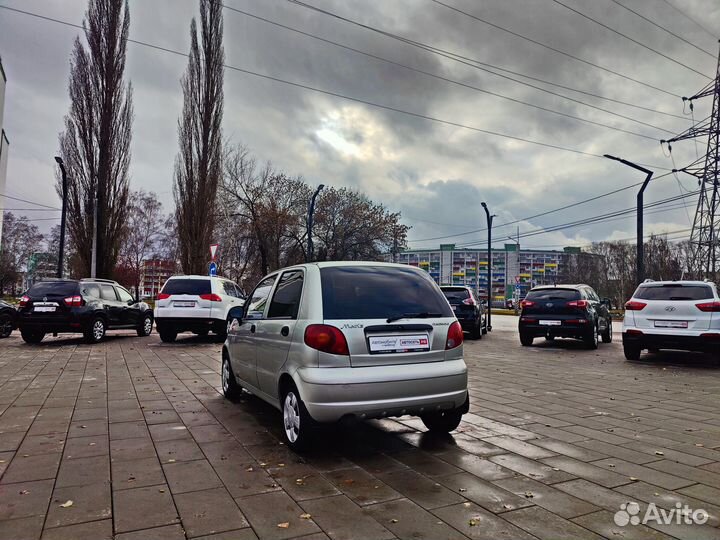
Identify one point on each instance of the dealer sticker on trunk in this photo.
(399, 344)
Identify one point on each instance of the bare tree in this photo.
(144, 227)
(19, 241)
(96, 142)
(198, 166)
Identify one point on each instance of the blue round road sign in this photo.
(213, 269)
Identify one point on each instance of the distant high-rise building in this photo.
(4, 145)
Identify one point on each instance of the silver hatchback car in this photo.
(324, 341)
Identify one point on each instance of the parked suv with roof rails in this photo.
(198, 304)
(470, 312)
(332, 340)
(568, 311)
(682, 315)
(90, 306)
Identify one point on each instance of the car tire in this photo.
(549, 338)
(95, 331)
(167, 335)
(607, 333)
(6, 325)
(485, 326)
(476, 332)
(32, 338)
(202, 333)
(298, 425)
(632, 352)
(442, 421)
(591, 338)
(145, 327)
(230, 387)
(526, 339)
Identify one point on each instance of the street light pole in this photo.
(311, 211)
(61, 250)
(640, 236)
(93, 262)
(489, 265)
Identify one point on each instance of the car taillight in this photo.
(714, 337)
(633, 332)
(469, 302)
(74, 301)
(24, 300)
(709, 307)
(212, 297)
(326, 338)
(163, 296)
(634, 305)
(454, 336)
(577, 303)
(526, 303)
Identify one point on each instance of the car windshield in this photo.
(456, 295)
(674, 292)
(194, 287)
(553, 294)
(60, 288)
(378, 292)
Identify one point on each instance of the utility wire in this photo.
(643, 17)
(338, 95)
(25, 200)
(31, 210)
(440, 77)
(689, 18)
(598, 66)
(633, 40)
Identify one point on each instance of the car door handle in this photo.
(252, 328)
(285, 331)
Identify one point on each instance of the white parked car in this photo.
(199, 304)
(682, 315)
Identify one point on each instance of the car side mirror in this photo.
(236, 313)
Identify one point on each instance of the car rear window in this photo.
(378, 292)
(187, 286)
(553, 294)
(673, 292)
(60, 288)
(456, 295)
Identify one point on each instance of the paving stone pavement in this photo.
(136, 434)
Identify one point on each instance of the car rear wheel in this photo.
(631, 352)
(95, 332)
(549, 338)
(591, 339)
(442, 421)
(6, 325)
(526, 339)
(476, 332)
(298, 425)
(167, 335)
(230, 387)
(32, 337)
(146, 324)
(607, 333)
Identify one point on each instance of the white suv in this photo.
(682, 315)
(195, 303)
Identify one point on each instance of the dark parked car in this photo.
(8, 319)
(90, 306)
(470, 312)
(570, 311)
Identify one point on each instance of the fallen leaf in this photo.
(305, 516)
(67, 504)
(24, 492)
(281, 464)
(611, 465)
(161, 490)
(699, 444)
(393, 521)
(263, 464)
(659, 453)
(462, 490)
(529, 495)
(171, 461)
(249, 469)
(467, 505)
(633, 479)
(92, 444)
(348, 481)
(283, 525)
(473, 522)
(555, 469)
(83, 427)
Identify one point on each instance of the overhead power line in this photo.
(338, 95)
(440, 77)
(549, 47)
(689, 18)
(633, 40)
(25, 200)
(643, 17)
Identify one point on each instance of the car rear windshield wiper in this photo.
(680, 298)
(423, 315)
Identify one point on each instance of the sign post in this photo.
(212, 269)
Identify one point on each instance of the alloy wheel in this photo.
(225, 375)
(147, 326)
(98, 330)
(291, 417)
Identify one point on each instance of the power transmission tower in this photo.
(705, 236)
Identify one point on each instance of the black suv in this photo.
(468, 310)
(572, 311)
(8, 319)
(90, 306)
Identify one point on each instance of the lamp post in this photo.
(311, 211)
(640, 246)
(489, 265)
(61, 250)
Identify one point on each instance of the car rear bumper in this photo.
(182, 324)
(381, 391)
(707, 341)
(69, 323)
(567, 328)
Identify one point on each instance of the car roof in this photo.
(560, 286)
(192, 276)
(675, 282)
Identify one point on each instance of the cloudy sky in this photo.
(435, 173)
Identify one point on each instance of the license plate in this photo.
(399, 344)
(43, 309)
(671, 324)
(183, 304)
(550, 323)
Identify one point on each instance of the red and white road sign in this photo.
(213, 251)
